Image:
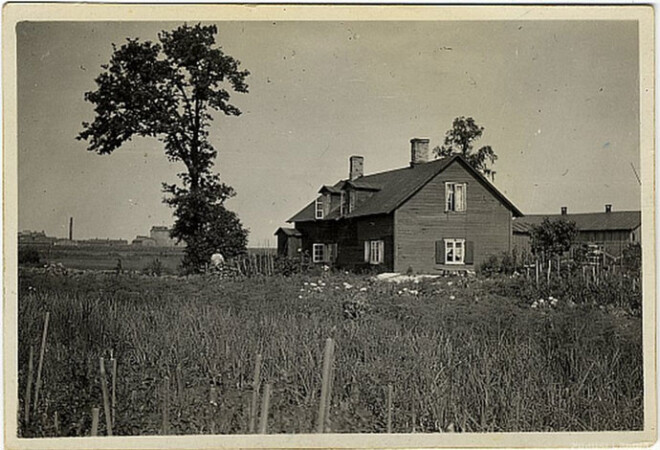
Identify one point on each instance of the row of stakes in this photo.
(110, 399)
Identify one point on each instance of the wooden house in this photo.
(611, 231)
(432, 215)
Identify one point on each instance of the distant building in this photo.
(103, 242)
(611, 230)
(35, 238)
(162, 237)
(144, 241)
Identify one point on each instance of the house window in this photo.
(454, 251)
(374, 252)
(351, 201)
(319, 208)
(342, 204)
(318, 252)
(455, 196)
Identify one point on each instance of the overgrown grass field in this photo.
(461, 354)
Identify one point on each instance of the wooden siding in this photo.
(422, 221)
(349, 235)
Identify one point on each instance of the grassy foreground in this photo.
(457, 355)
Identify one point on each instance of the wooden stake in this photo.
(41, 361)
(114, 389)
(389, 408)
(255, 394)
(265, 405)
(95, 421)
(330, 386)
(28, 388)
(536, 272)
(414, 412)
(56, 422)
(166, 405)
(325, 385)
(179, 384)
(106, 401)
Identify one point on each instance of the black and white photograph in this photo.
(328, 226)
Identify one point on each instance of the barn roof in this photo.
(395, 187)
(600, 221)
(289, 232)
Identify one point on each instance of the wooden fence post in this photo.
(28, 388)
(166, 405)
(389, 408)
(113, 362)
(265, 405)
(95, 421)
(256, 381)
(106, 401)
(325, 385)
(41, 361)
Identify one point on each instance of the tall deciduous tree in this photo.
(168, 90)
(461, 138)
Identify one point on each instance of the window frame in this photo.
(452, 244)
(451, 203)
(318, 208)
(314, 257)
(374, 251)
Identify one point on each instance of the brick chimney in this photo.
(608, 208)
(419, 151)
(355, 167)
(564, 210)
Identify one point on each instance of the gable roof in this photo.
(395, 187)
(289, 232)
(600, 221)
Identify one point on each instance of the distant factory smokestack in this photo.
(71, 228)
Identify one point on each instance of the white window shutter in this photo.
(366, 251)
(381, 251)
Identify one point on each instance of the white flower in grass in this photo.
(553, 302)
(535, 305)
(451, 297)
(363, 289)
(348, 286)
(306, 283)
(313, 284)
(300, 297)
(413, 291)
(449, 283)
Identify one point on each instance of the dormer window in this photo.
(352, 197)
(319, 208)
(343, 207)
(455, 196)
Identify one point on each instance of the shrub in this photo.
(155, 268)
(29, 256)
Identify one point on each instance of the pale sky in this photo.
(559, 102)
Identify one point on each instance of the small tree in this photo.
(168, 90)
(460, 140)
(552, 237)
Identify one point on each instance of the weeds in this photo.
(463, 354)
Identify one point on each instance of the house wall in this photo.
(422, 220)
(349, 235)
